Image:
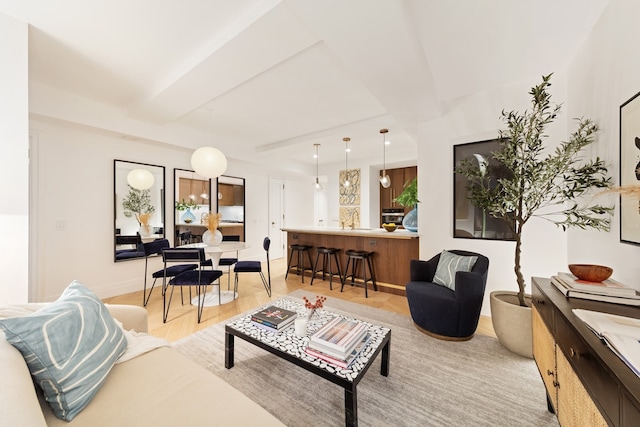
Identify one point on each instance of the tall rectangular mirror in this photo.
(192, 201)
(139, 215)
(231, 206)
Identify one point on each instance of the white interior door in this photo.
(276, 217)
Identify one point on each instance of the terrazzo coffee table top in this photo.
(288, 342)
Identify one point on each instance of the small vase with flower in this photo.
(212, 236)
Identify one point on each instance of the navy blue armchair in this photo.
(440, 311)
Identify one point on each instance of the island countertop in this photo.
(392, 251)
(360, 232)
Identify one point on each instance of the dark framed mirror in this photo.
(231, 206)
(139, 214)
(192, 200)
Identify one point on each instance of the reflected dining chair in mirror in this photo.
(254, 267)
(138, 197)
(128, 247)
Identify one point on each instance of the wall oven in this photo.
(395, 215)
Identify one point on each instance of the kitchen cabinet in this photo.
(230, 195)
(586, 383)
(188, 186)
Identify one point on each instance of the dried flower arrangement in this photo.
(143, 218)
(313, 307)
(624, 191)
(213, 220)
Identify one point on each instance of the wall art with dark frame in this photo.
(630, 169)
(469, 221)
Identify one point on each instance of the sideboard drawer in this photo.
(630, 412)
(597, 381)
(544, 307)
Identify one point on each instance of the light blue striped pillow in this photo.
(69, 346)
(448, 265)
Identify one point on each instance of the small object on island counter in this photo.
(390, 227)
(591, 272)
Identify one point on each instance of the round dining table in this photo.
(215, 252)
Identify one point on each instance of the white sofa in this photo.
(158, 388)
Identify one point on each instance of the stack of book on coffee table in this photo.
(339, 341)
(273, 319)
(608, 290)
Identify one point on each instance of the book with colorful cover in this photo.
(337, 361)
(274, 317)
(339, 335)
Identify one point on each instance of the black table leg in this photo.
(350, 407)
(228, 350)
(384, 366)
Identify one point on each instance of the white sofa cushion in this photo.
(18, 402)
(164, 388)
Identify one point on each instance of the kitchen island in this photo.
(392, 250)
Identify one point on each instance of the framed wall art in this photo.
(630, 169)
(469, 221)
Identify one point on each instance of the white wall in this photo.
(75, 186)
(605, 75)
(14, 161)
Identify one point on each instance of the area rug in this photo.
(431, 382)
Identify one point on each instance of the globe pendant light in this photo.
(346, 182)
(140, 179)
(318, 186)
(385, 181)
(209, 161)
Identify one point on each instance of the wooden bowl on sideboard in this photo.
(591, 272)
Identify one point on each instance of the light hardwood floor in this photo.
(182, 320)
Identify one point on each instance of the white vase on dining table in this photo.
(212, 238)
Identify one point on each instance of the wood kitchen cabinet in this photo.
(586, 383)
(196, 187)
(225, 195)
(399, 177)
(230, 195)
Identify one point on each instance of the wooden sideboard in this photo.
(586, 383)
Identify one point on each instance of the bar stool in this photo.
(357, 258)
(299, 250)
(327, 253)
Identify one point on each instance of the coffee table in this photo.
(287, 345)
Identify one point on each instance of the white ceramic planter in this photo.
(511, 322)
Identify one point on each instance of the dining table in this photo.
(215, 253)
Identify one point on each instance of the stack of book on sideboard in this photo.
(607, 291)
(339, 341)
(273, 319)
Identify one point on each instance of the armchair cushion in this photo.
(448, 265)
(69, 347)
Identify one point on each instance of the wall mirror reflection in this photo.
(138, 207)
(192, 201)
(231, 206)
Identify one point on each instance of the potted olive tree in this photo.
(540, 182)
